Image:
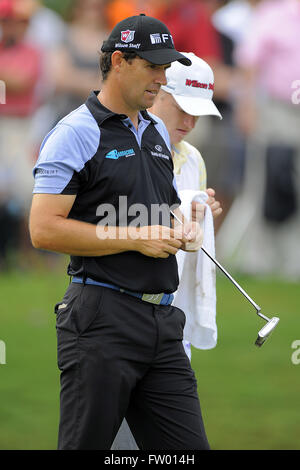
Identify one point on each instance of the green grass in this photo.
(249, 395)
(29, 381)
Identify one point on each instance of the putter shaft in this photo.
(271, 323)
(257, 307)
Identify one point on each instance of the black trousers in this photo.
(122, 357)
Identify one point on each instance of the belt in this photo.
(158, 299)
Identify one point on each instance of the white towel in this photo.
(196, 294)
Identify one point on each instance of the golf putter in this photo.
(266, 330)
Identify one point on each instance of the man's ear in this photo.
(116, 60)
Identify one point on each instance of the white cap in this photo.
(192, 87)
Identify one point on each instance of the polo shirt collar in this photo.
(101, 113)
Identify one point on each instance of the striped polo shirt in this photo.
(114, 170)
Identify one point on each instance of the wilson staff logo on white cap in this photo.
(192, 87)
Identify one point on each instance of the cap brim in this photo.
(163, 56)
(197, 106)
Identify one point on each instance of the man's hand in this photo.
(193, 236)
(158, 241)
(198, 209)
(214, 205)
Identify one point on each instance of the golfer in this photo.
(120, 346)
(186, 96)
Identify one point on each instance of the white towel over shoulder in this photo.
(196, 294)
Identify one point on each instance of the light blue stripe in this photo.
(65, 149)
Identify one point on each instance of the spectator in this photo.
(267, 236)
(75, 68)
(46, 27)
(20, 65)
(117, 10)
(233, 18)
(191, 28)
(224, 141)
(20, 68)
(46, 31)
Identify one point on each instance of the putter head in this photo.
(266, 330)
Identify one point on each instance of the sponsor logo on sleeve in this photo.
(45, 172)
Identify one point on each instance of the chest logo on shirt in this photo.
(159, 153)
(115, 154)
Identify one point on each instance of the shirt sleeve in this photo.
(61, 159)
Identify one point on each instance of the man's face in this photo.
(140, 82)
(178, 122)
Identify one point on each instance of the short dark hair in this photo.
(105, 61)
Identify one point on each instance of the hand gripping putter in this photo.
(266, 330)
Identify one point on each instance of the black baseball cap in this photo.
(148, 37)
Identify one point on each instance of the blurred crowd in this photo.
(49, 63)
